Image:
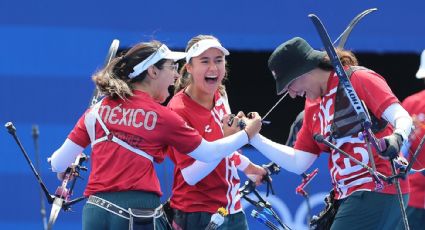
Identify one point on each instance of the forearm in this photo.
(198, 171)
(64, 156)
(399, 118)
(216, 150)
(244, 162)
(293, 160)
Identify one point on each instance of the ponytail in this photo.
(110, 80)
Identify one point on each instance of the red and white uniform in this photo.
(143, 124)
(220, 187)
(415, 105)
(348, 177)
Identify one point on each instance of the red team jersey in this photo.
(142, 123)
(348, 177)
(220, 187)
(415, 105)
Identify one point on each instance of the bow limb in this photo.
(346, 33)
(54, 212)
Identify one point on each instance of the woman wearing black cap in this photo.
(128, 131)
(303, 71)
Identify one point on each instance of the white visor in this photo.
(421, 72)
(200, 47)
(162, 53)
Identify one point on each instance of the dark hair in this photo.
(346, 57)
(186, 77)
(113, 80)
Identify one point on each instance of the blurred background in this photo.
(49, 49)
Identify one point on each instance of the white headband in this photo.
(162, 53)
(199, 47)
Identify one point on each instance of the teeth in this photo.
(214, 76)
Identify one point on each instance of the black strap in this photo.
(119, 211)
(109, 206)
(346, 122)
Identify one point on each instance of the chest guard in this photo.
(346, 122)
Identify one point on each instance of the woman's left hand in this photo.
(233, 127)
(255, 173)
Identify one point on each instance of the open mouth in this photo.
(211, 79)
(171, 88)
(301, 94)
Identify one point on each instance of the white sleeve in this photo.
(399, 119)
(244, 162)
(64, 156)
(216, 150)
(197, 171)
(291, 159)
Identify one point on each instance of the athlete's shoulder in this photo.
(362, 73)
(414, 98)
(177, 101)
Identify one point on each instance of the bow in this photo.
(271, 169)
(358, 107)
(35, 135)
(344, 35)
(112, 52)
(307, 178)
(62, 195)
(262, 205)
(342, 38)
(61, 199)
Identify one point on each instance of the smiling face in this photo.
(165, 77)
(306, 85)
(207, 70)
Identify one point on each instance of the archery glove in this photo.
(393, 145)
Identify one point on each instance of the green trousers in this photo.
(416, 218)
(96, 218)
(200, 220)
(368, 210)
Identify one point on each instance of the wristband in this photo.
(400, 132)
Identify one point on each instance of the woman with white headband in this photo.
(199, 189)
(128, 131)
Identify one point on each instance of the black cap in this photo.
(292, 59)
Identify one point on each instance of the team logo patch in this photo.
(208, 129)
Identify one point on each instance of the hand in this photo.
(60, 176)
(253, 124)
(393, 143)
(230, 124)
(255, 173)
(417, 123)
(241, 114)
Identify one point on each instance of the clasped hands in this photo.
(234, 123)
